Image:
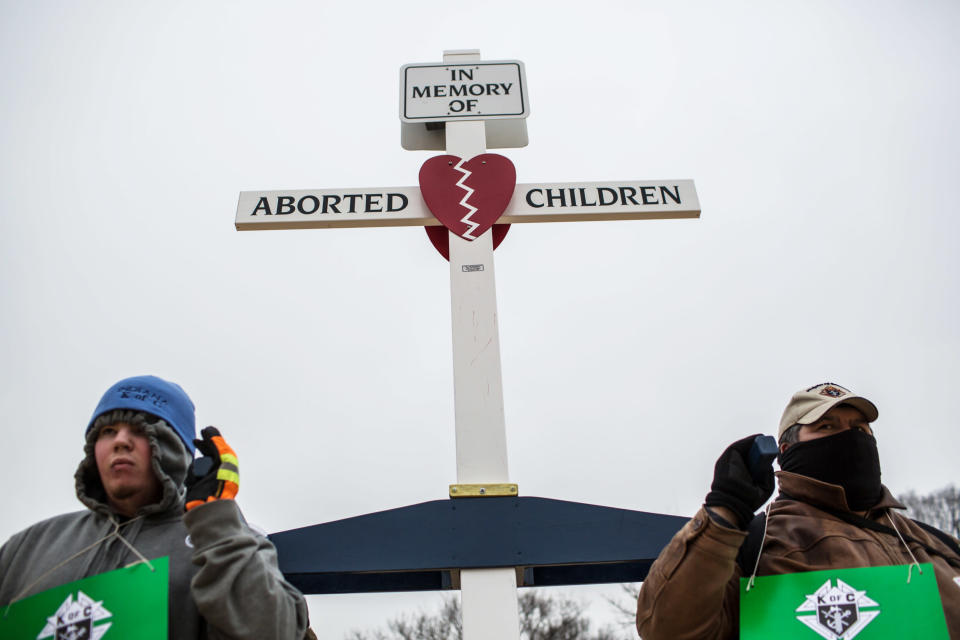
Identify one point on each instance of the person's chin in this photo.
(123, 492)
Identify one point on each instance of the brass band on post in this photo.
(482, 490)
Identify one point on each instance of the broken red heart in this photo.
(468, 196)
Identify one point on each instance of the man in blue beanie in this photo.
(146, 497)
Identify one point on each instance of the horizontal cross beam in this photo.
(404, 206)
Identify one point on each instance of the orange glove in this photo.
(215, 476)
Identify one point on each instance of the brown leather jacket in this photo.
(692, 590)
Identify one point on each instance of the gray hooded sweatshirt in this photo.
(224, 579)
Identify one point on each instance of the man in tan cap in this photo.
(832, 513)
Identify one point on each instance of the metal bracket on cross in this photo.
(486, 539)
(483, 490)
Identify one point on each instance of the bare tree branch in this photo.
(940, 508)
(542, 617)
(626, 604)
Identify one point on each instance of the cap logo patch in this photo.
(832, 391)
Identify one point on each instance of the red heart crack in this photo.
(467, 197)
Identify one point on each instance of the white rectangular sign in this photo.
(438, 92)
(404, 206)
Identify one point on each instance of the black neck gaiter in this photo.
(849, 459)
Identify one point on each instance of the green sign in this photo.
(870, 603)
(126, 604)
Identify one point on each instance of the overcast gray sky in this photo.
(822, 138)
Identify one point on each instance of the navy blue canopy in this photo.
(422, 547)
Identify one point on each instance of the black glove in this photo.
(733, 486)
(215, 476)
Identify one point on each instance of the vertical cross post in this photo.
(488, 596)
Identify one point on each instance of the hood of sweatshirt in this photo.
(170, 460)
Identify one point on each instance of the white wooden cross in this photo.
(488, 596)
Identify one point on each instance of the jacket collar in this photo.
(815, 492)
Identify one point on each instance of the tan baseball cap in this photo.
(809, 405)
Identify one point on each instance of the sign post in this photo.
(464, 105)
(488, 596)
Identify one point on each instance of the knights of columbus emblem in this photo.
(75, 620)
(837, 612)
(832, 391)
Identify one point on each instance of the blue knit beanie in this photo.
(155, 396)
